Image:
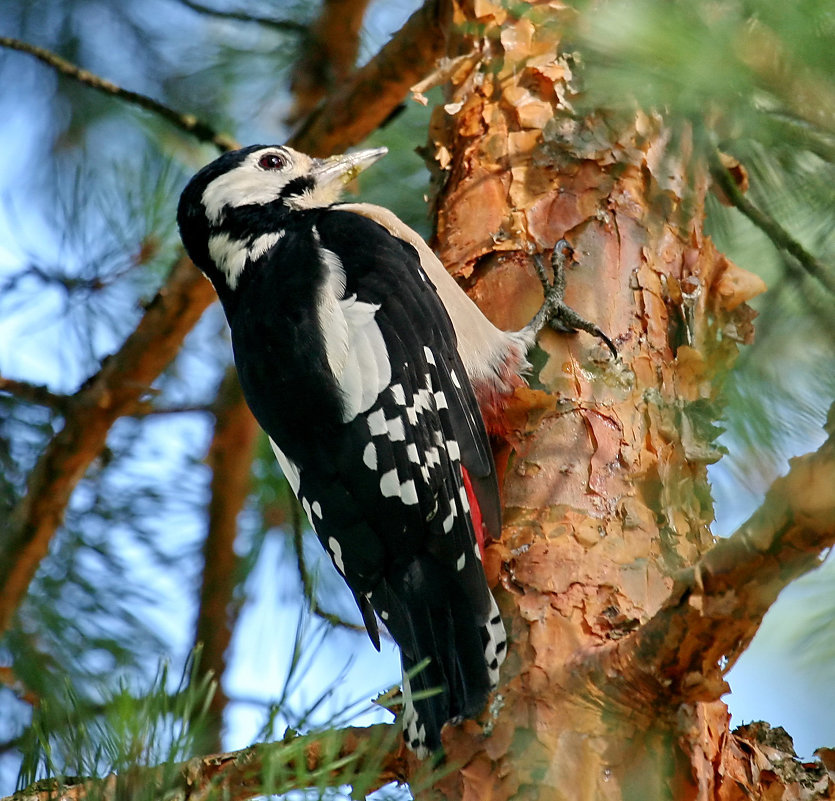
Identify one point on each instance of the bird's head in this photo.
(235, 209)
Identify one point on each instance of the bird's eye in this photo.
(272, 161)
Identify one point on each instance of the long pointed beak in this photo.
(346, 167)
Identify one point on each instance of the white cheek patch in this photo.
(245, 186)
(248, 184)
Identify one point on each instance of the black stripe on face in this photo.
(297, 186)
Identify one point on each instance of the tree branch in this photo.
(33, 393)
(365, 101)
(10, 680)
(230, 459)
(329, 56)
(367, 758)
(682, 653)
(114, 391)
(185, 122)
(42, 395)
(781, 238)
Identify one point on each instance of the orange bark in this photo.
(230, 459)
(605, 481)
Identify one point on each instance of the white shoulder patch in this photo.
(366, 371)
(354, 344)
(332, 323)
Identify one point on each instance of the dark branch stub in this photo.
(554, 311)
(282, 25)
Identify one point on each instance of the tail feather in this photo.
(430, 616)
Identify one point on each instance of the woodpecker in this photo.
(366, 365)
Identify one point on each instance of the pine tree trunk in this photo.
(605, 467)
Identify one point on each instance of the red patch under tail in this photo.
(475, 512)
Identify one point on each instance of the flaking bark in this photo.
(607, 692)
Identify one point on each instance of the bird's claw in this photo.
(554, 311)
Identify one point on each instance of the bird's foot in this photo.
(554, 311)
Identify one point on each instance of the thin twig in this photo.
(147, 410)
(283, 25)
(185, 122)
(42, 395)
(781, 238)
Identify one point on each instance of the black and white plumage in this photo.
(344, 332)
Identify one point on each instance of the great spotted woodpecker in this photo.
(366, 364)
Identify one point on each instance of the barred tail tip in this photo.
(418, 739)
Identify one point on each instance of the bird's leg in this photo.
(554, 311)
